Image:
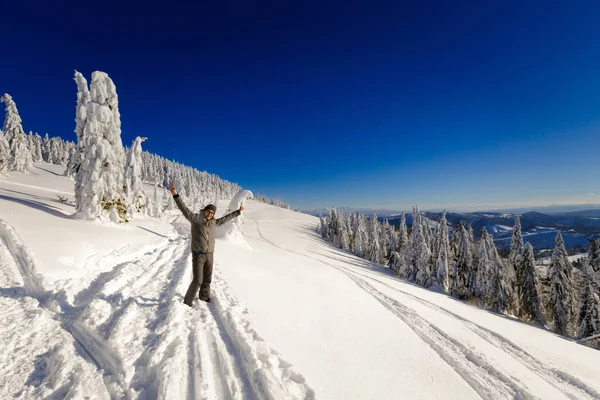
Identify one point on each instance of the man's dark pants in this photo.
(202, 265)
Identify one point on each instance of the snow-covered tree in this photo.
(12, 121)
(402, 234)
(37, 148)
(136, 197)
(374, 250)
(442, 257)
(156, 204)
(4, 155)
(462, 264)
(21, 159)
(515, 261)
(360, 235)
(420, 252)
(482, 265)
(594, 262)
(496, 298)
(101, 172)
(560, 287)
(588, 321)
(527, 286)
(83, 98)
(46, 148)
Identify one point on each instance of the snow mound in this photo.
(232, 230)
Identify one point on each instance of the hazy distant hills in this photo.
(578, 224)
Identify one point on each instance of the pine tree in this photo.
(527, 287)
(462, 264)
(374, 243)
(420, 253)
(37, 148)
(21, 159)
(560, 287)
(442, 257)
(133, 177)
(101, 172)
(588, 321)
(515, 261)
(4, 155)
(594, 262)
(360, 235)
(46, 148)
(402, 234)
(83, 98)
(482, 265)
(496, 298)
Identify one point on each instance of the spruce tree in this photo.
(588, 321)
(527, 286)
(420, 252)
(136, 197)
(515, 261)
(496, 298)
(560, 287)
(4, 155)
(462, 264)
(482, 265)
(21, 158)
(442, 257)
(101, 172)
(402, 234)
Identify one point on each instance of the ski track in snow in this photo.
(128, 335)
(473, 367)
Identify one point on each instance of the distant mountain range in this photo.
(578, 226)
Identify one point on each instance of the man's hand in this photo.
(242, 207)
(172, 189)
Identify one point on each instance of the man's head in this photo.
(209, 211)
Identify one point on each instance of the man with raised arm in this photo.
(203, 245)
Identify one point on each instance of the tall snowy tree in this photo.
(560, 287)
(482, 265)
(374, 250)
(4, 155)
(420, 253)
(136, 197)
(402, 234)
(496, 298)
(360, 235)
(527, 287)
(37, 148)
(21, 158)
(442, 257)
(101, 172)
(83, 98)
(588, 321)
(462, 264)
(515, 261)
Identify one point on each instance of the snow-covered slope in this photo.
(90, 309)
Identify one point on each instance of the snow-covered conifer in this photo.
(588, 321)
(420, 252)
(4, 155)
(133, 177)
(21, 159)
(101, 171)
(527, 286)
(515, 261)
(462, 264)
(496, 298)
(560, 287)
(443, 257)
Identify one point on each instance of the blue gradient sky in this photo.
(358, 103)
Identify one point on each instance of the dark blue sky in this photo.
(362, 103)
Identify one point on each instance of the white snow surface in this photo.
(93, 310)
